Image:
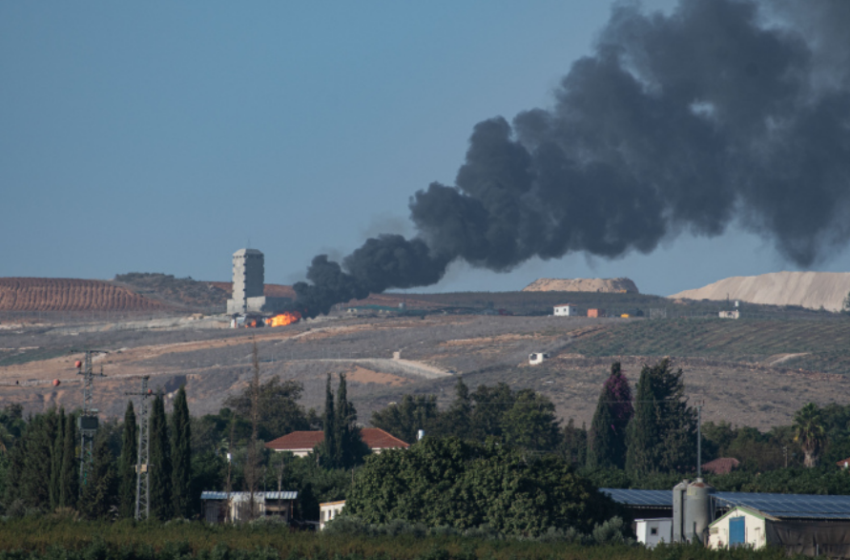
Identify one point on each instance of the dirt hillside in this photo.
(806, 289)
(611, 285)
(65, 294)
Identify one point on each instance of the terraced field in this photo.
(64, 294)
(805, 344)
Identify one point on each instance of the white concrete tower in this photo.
(248, 281)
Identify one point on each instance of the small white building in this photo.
(221, 507)
(730, 314)
(536, 358)
(566, 310)
(328, 512)
(651, 532)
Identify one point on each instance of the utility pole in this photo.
(699, 439)
(143, 488)
(87, 422)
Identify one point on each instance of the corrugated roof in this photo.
(803, 506)
(244, 496)
(375, 438)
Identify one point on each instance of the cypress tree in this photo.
(161, 502)
(328, 448)
(56, 461)
(38, 461)
(181, 455)
(460, 414)
(607, 437)
(99, 493)
(70, 481)
(601, 446)
(127, 464)
(14, 470)
(350, 446)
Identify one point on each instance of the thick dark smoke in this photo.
(725, 110)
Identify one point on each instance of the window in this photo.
(653, 531)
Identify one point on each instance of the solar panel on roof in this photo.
(811, 506)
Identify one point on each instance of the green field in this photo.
(826, 341)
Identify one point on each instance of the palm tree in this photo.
(809, 431)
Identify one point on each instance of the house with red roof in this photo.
(302, 443)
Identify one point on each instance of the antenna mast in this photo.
(87, 422)
(143, 488)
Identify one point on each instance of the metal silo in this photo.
(679, 509)
(697, 511)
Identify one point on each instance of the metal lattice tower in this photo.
(143, 488)
(88, 421)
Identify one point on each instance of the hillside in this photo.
(812, 290)
(66, 294)
(609, 285)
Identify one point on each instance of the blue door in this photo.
(736, 531)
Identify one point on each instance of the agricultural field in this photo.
(748, 372)
(63, 294)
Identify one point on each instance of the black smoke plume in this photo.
(722, 111)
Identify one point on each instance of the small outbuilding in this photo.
(566, 310)
(221, 507)
(595, 312)
(652, 532)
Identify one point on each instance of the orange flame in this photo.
(283, 319)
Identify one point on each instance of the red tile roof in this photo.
(843, 463)
(375, 438)
(723, 465)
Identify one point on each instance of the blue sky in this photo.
(161, 137)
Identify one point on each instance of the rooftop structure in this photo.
(248, 282)
(302, 443)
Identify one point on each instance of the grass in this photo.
(17, 358)
(57, 537)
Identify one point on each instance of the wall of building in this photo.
(651, 532)
(754, 529)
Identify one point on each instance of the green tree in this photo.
(809, 432)
(127, 464)
(181, 455)
(56, 461)
(662, 434)
(458, 419)
(451, 482)
(99, 493)
(846, 306)
(161, 502)
(350, 447)
(573, 447)
(614, 410)
(279, 410)
(405, 419)
(70, 483)
(491, 403)
(328, 448)
(531, 423)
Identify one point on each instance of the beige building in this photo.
(328, 512)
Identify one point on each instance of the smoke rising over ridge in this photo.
(724, 111)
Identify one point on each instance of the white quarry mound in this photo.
(582, 285)
(807, 289)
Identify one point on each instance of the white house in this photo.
(651, 532)
(328, 511)
(566, 310)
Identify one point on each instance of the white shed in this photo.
(536, 358)
(740, 526)
(566, 310)
(651, 532)
(328, 512)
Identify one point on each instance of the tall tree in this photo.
(181, 455)
(56, 461)
(614, 410)
(491, 403)
(279, 411)
(328, 447)
(662, 434)
(161, 502)
(127, 464)
(99, 493)
(70, 483)
(809, 431)
(38, 460)
(458, 419)
(350, 446)
(252, 463)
